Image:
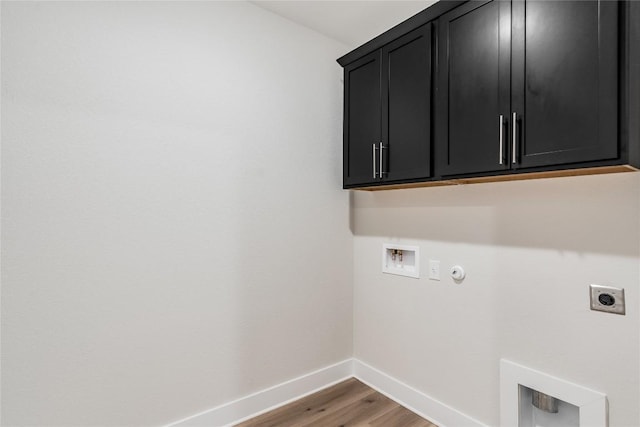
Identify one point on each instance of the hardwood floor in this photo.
(349, 403)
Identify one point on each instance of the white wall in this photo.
(174, 233)
(530, 250)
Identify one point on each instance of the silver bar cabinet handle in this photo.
(501, 158)
(382, 147)
(373, 155)
(515, 137)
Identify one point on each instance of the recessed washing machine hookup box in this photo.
(402, 260)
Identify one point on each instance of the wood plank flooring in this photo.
(347, 404)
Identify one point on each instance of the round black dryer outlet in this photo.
(606, 299)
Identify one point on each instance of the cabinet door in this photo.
(362, 120)
(473, 88)
(406, 106)
(565, 81)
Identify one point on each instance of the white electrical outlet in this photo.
(434, 269)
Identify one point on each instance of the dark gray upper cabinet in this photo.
(565, 82)
(527, 84)
(406, 106)
(362, 119)
(474, 83)
(387, 112)
(485, 89)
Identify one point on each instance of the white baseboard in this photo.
(415, 400)
(281, 394)
(270, 398)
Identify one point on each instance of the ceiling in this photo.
(350, 22)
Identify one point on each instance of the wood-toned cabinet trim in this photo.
(510, 177)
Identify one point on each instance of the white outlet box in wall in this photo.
(402, 260)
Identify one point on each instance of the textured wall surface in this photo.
(174, 234)
(530, 250)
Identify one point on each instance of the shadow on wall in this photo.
(587, 214)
